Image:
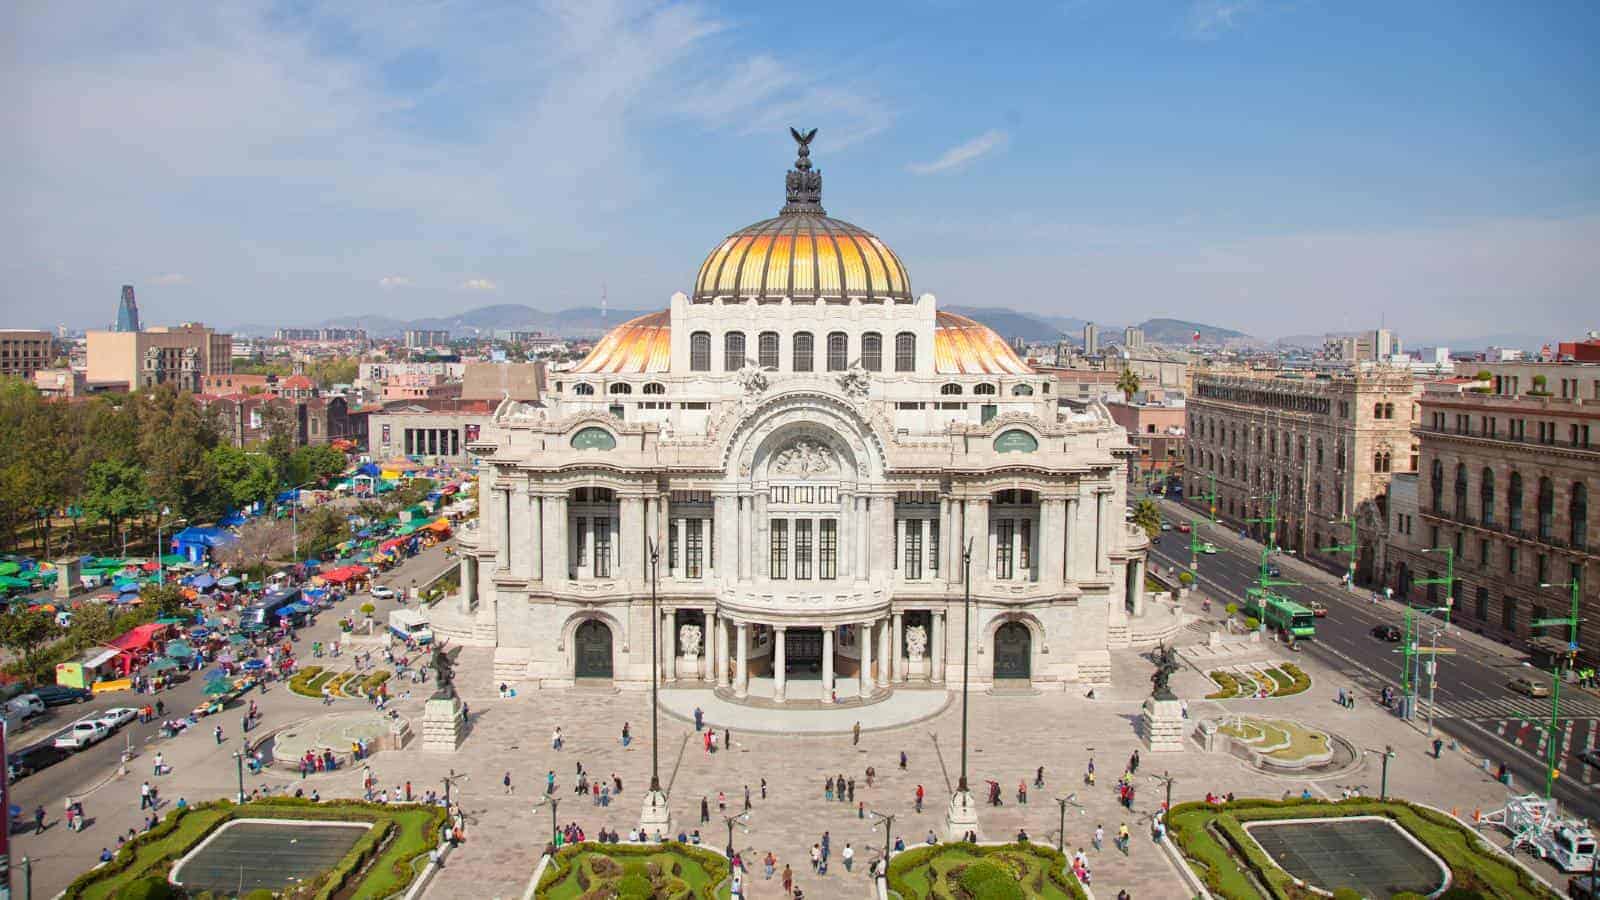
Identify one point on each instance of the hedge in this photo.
(634, 857)
(1229, 686)
(413, 829)
(1472, 864)
(1052, 865)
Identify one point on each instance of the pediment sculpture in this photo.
(854, 382)
(689, 640)
(916, 642)
(805, 457)
(754, 380)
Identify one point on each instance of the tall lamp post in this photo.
(161, 570)
(1449, 579)
(888, 826)
(1565, 660)
(552, 801)
(294, 518)
(729, 820)
(1061, 833)
(1388, 754)
(962, 816)
(238, 758)
(1166, 779)
(655, 819)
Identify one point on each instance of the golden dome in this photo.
(638, 345)
(802, 254)
(963, 346)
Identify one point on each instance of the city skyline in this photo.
(1233, 164)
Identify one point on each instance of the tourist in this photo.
(1099, 838)
(705, 811)
(1124, 838)
(1038, 778)
(627, 736)
(555, 739)
(550, 782)
(848, 855)
(768, 864)
(855, 736)
(1022, 793)
(827, 789)
(788, 879)
(722, 802)
(506, 780)
(919, 798)
(763, 789)
(159, 764)
(903, 760)
(931, 838)
(816, 856)
(747, 798)
(699, 718)
(1022, 835)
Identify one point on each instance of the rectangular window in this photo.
(1483, 553)
(802, 549)
(693, 548)
(838, 352)
(767, 350)
(1004, 532)
(828, 549)
(583, 541)
(778, 555)
(802, 352)
(1542, 568)
(1481, 604)
(1025, 546)
(1511, 560)
(672, 545)
(602, 547)
(933, 546)
(1508, 614)
(913, 548)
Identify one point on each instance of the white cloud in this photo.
(1209, 19)
(961, 154)
(170, 278)
(394, 281)
(479, 284)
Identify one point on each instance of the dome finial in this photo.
(804, 186)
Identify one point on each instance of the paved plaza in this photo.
(1011, 735)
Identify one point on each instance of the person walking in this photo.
(855, 733)
(218, 734)
(849, 856)
(627, 736)
(763, 789)
(769, 864)
(1099, 838)
(816, 857)
(699, 718)
(902, 760)
(827, 789)
(722, 802)
(747, 798)
(556, 739)
(507, 782)
(1038, 778)
(38, 820)
(852, 790)
(550, 782)
(705, 810)
(144, 796)
(727, 738)
(919, 798)
(1124, 838)
(788, 879)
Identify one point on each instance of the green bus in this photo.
(1281, 614)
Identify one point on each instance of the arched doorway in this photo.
(1013, 651)
(591, 650)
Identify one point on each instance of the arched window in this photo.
(622, 387)
(1486, 495)
(872, 351)
(802, 351)
(905, 352)
(950, 390)
(767, 345)
(1319, 451)
(654, 387)
(1578, 515)
(583, 390)
(1547, 508)
(700, 351)
(733, 351)
(1377, 410)
(984, 390)
(1461, 489)
(1514, 502)
(1316, 495)
(1437, 485)
(1388, 410)
(838, 351)
(1022, 390)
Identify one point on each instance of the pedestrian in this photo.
(1022, 792)
(1038, 778)
(218, 734)
(722, 802)
(763, 789)
(505, 781)
(144, 796)
(159, 764)
(1123, 838)
(861, 810)
(855, 734)
(555, 739)
(902, 760)
(768, 865)
(1438, 745)
(816, 857)
(699, 718)
(827, 789)
(38, 820)
(550, 782)
(1099, 837)
(727, 739)
(705, 810)
(919, 798)
(852, 790)
(747, 798)
(849, 856)
(788, 879)
(627, 737)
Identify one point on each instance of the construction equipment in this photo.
(1537, 825)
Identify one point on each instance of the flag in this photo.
(1196, 337)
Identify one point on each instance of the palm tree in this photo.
(1128, 384)
(1147, 515)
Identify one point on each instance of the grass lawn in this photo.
(933, 873)
(1214, 841)
(671, 868)
(414, 830)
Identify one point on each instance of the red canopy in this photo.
(139, 637)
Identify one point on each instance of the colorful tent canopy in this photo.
(138, 637)
(161, 664)
(178, 649)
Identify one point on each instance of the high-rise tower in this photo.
(128, 312)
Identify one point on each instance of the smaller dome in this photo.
(963, 346)
(643, 344)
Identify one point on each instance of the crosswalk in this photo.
(1574, 736)
(1575, 704)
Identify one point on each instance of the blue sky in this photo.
(1276, 167)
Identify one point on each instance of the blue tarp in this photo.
(369, 469)
(196, 541)
(298, 607)
(201, 582)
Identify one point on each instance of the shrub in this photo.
(1251, 623)
(1345, 893)
(153, 887)
(1232, 609)
(368, 609)
(989, 881)
(634, 887)
(1186, 579)
(1227, 685)
(259, 894)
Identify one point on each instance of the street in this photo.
(1473, 703)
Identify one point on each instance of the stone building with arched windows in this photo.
(795, 455)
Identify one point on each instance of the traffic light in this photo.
(1554, 774)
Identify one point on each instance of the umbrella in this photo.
(237, 639)
(203, 581)
(173, 559)
(9, 568)
(227, 581)
(199, 632)
(225, 656)
(254, 665)
(161, 664)
(218, 687)
(179, 649)
(127, 587)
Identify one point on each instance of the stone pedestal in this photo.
(444, 723)
(654, 820)
(1161, 725)
(68, 573)
(962, 816)
(689, 666)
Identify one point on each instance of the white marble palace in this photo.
(797, 454)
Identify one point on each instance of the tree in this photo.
(333, 370)
(260, 541)
(174, 437)
(24, 631)
(243, 477)
(1128, 383)
(321, 529)
(410, 493)
(165, 599)
(115, 490)
(1147, 516)
(312, 463)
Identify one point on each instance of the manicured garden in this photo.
(1284, 680)
(309, 682)
(971, 872)
(1232, 864)
(381, 863)
(634, 872)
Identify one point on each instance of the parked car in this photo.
(1208, 548)
(57, 695)
(1166, 526)
(1590, 756)
(1532, 687)
(382, 592)
(83, 733)
(33, 759)
(1273, 571)
(1317, 609)
(118, 716)
(1583, 887)
(1183, 527)
(1388, 633)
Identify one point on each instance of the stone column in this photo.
(897, 550)
(722, 654)
(827, 664)
(1138, 587)
(864, 642)
(519, 562)
(709, 646)
(556, 535)
(975, 527)
(741, 673)
(469, 583)
(881, 516)
(779, 676)
(952, 540)
(846, 536)
(936, 645)
(536, 535)
(863, 537)
(745, 540)
(1102, 531)
(669, 646)
(898, 671)
(1051, 540)
(885, 656)
(1069, 547)
(726, 513)
(630, 534)
(759, 553)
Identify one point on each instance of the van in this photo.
(410, 625)
(26, 706)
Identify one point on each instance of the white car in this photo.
(117, 716)
(83, 733)
(382, 592)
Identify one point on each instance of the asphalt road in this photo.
(1472, 701)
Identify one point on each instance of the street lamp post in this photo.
(729, 820)
(238, 758)
(888, 826)
(1383, 785)
(1166, 779)
(1061, 833)
(551, 801)
(1449, 579)
(966, 656)
(294, 518)
(1564, 660)
(161, 570)
(449, 780)
(655, 819)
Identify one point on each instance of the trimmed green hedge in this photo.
(414, 830)
(1222, 865)
(1227, 686)
(1027, 866)
(634, 869)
